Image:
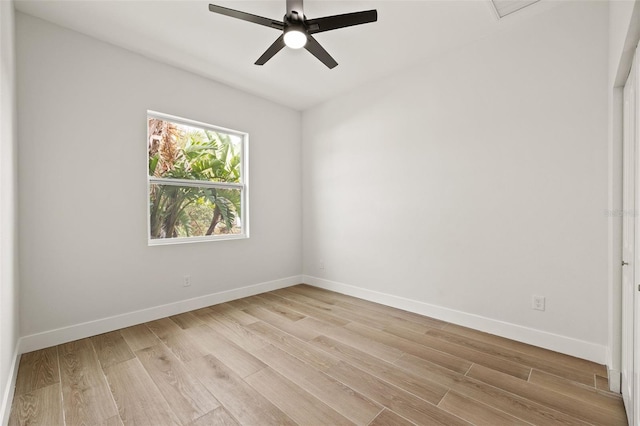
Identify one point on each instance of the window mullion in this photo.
(194, 183)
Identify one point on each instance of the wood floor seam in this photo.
(443, 396)
(64, 421)
(466, 373)
(374, 419)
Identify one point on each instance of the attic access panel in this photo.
(507, 7)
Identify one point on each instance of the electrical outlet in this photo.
(187, 281)
(538, 303)
(322, 265)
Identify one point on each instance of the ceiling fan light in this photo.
(295, 39)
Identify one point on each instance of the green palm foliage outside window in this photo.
(195, 180)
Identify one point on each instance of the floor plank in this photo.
(551, 356)
(111, 421)
(281, 322)
(233, 331)
(571, 406)
(163, 327)
(305, 309)
(139, 337)
(398, 400)
(138, 399)
(294, 401)
(234, 313)
(602, 383)
(403, 346)
(293, 346)
(37, 369)
(389, 418)
(186, 396)
(604, 400)
(85, 392)
(353, 303)
(366, 343)
(332, 392)
(418, 385)
(232, 355)
(111, 348)
(42, 406)
(183, 345)
(501, 399)
(513, 356)
(241, 400)
(186, 320)
(217, 417)
(353, 312)
(515, 369)
(475, 412)
(280, 310)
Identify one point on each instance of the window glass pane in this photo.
(179, 151)
(190, 211)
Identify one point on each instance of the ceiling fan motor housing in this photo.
(295, 31)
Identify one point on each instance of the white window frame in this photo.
(243, 186)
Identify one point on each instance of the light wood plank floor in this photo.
(307, 356)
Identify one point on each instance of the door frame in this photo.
(630, 306)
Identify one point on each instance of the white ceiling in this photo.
(185, 34)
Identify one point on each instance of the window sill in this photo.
(188, 240)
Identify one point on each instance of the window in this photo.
(197, 181)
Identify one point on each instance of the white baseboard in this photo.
(79, 331)
(615, 381)
(555, 342)
(7, 395)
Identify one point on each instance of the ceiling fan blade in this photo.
(318, 51)
(246, 17)
(272, 50)
(295, 6)
(329, 23)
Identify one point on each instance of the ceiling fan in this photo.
(297, 30)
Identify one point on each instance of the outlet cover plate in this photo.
(538, 303)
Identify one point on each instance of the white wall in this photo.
(82, 181)
(8, 271)
(475, 181)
